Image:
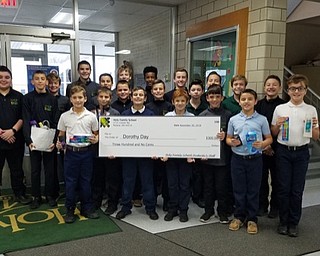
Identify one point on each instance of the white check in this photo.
(177, 137)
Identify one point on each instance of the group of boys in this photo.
(235, 180)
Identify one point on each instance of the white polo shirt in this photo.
(74, 124)
(297, 115)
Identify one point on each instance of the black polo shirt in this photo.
(10, 113)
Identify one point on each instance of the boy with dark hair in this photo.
(11, 137)
(215, 171)
(195, 106)
(132, 166)
(266, 107)
(39, 106)
(78, 161)
(180, 79)
(106, 170)
(123, 101)
(294, 123)
(160, 107)
(248, 133)
(150, 74)
(84, 70)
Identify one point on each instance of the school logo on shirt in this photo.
(14, 102)
(47, 107)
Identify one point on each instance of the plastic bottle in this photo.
(251, 137)
(307, 131)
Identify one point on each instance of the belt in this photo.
(295, 148)
(78, 149)
(249, 157)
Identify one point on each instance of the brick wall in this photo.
(150, 44)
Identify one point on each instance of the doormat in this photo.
(22, 228)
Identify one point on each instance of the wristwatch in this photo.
(14, 130)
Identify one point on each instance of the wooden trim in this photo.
(237, 18)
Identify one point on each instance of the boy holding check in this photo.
(133, 165)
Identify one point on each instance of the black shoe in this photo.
(223, 219)
(170, 215)
(36, 202)
(110, 210)
(153, 215)
(273, 213)
(206, 216)
(293, 231)
(122, 214)
(51, 201)
(282, 229)
(23, 199)
(183, 217)
(91, 214)
(70, 217)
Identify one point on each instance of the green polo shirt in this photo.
(232, 105)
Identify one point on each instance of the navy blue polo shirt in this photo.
(10, 113)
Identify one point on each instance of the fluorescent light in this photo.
(212, 48)
(65, 18)
(123, 52)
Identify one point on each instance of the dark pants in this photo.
(50, 173)
(246, 179)
(197, 181)
(269, 164)
(106, 176)
(215, 187)
(179, 173)
(160, 179)
(292, 166)
(14, 158)
(78, 175)
(130, 168)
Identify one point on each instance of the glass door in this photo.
(23, 51)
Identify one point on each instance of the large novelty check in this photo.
(178, 137)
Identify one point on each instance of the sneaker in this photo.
(111, 209)
(36, 202)
(252, 227)
(235, 224)
(223, 219)
(206, 216)
(153, 215)
(170, 215)
(293, 231)
(23, 199)
(137, 203)
(183, 217)
(51, 201)
(282, 229)
(91, 214)
(70, 217)
(122, 214)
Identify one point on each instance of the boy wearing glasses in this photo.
(294, 123)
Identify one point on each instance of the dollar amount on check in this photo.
(177, 137)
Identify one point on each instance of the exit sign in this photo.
(9, 3)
